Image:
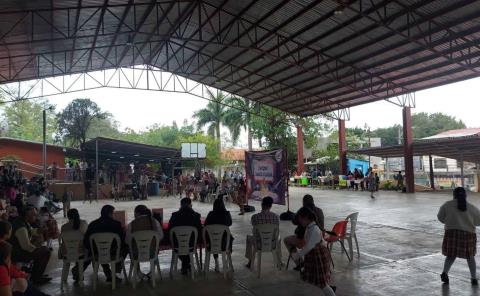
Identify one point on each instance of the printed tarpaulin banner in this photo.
(265, 175)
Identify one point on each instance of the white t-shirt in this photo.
(37, 201)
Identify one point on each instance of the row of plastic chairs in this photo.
(185, 238)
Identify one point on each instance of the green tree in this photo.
(240, 116)
(104, 127)
(24, 120)
(389, 135)
(76, 119)
(426, 125)
(213, 115)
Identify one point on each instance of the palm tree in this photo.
(239, 116)
(213, 115)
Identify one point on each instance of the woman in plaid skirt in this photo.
(460, 219)
(316, 255)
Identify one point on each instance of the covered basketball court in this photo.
(303, 57)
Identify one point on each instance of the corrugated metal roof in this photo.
(297, 55)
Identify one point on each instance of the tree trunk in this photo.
(217, 130)
(249, 135)
(260, 142)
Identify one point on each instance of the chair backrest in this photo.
(340, 229)
(71, 244)
(352, 219)
(184, 239)
(218, 238)
(266, 237)
(144, 245)
(101, 246)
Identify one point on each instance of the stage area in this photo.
(399, 236)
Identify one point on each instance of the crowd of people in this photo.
(27, 228)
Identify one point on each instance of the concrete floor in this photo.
(400, 243)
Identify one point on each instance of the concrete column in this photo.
(342, 147)
(407, 150)
(432, 178)
(462, 175)
(300, 167)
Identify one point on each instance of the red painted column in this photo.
(342, 147)
(408, 150)
(300, 167)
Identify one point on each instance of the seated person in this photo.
(24, 247)
(264, 217)
(106, 223)
(296, 241)
(37, 200)
(185, 216)
(316, 255)
(74, 224)
(143, 221)
(221, 216)
(16, 278)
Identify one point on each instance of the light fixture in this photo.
(122, 157)
(108, 159)
(136, 155)
(113, 152)
(151, 160)
(261, 58)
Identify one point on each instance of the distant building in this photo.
(28, 155)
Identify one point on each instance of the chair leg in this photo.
(230, 263)
(331, 260)
(192, 266)
(124, 271)
(130, 270)
(224, 264)
(171, 265)
(114, 275)
(134, 275)
(345, 250)
(350, 246)
(152, 272)
(95, 276)
(80, 272)
(206, 266)
(252, 261)
(259, 263)
(199, 264)
(356, 242)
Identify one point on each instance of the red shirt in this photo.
(4, 276)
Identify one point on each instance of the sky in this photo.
(139, 109)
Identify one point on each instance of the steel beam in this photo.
(408, 150)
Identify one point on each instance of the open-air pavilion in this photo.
(456, 144)
(303, 57)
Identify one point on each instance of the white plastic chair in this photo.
(182, 236)
(215, 234)
(143, 242)
(101, 245)
(352, 233)
(266, 239)
(71, 244)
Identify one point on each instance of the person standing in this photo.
(399, 181)
(66, 201)
(460, 240)
(241, 196)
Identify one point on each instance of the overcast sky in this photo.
(139, 109)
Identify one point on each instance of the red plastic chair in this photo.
(340, 229)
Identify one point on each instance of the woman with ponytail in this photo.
(460, 219)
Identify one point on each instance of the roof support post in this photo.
(407, 150)
(342, 147)
(96, 170)
(432, 177)
(462, 176)
(300, 167)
